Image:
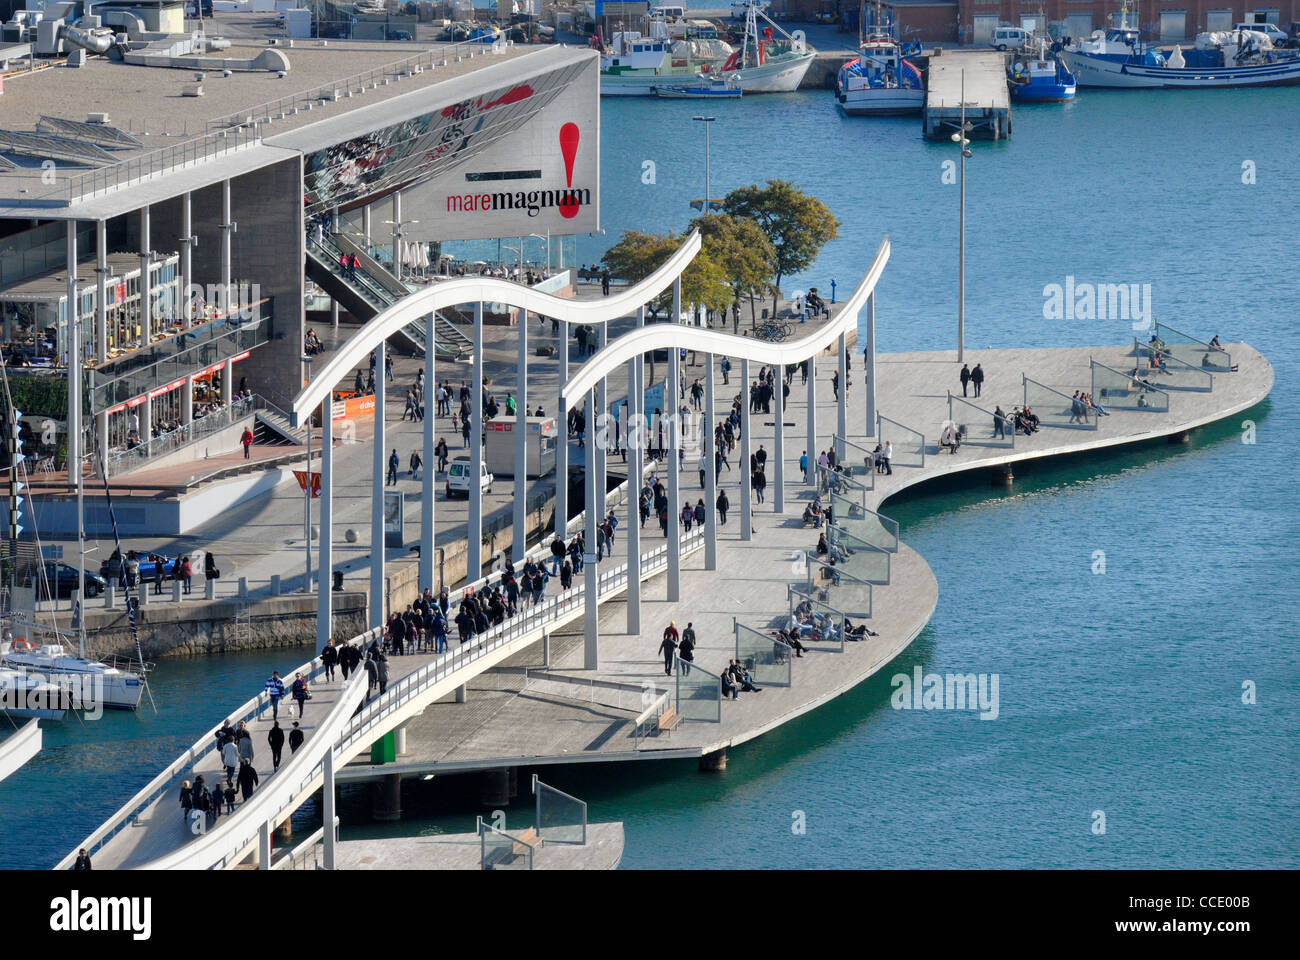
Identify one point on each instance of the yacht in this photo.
(29, 698)
(93, 683)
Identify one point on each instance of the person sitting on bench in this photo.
(742, 677)
(816, 305)
(950, 439)
(729, 687)
(813, 513)
(798, 626)
(823, 547)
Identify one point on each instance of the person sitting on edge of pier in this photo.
(816, 305)
(742, 677)
(728, 686)
(823, 547)
(791, 640)
(813, 513)
(857, 633)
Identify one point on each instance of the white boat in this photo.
(880, 81)
(29, 698)
(92, 683)
(635, 65)
(704, 88)
(1238, 58)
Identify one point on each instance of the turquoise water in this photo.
(1119, 692)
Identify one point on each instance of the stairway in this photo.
(372, 289)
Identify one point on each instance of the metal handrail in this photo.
(204, 745)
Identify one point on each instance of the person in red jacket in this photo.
(247, 441)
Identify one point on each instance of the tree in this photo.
(743, 252)
(797, 225)
(637, 255)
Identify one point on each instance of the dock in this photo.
(987, 99)
(462, 851)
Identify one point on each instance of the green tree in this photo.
(743, 252)
(797, 225)
(637, 255)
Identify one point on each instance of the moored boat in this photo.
(880, 81)
(92, 683)
(1041, 80)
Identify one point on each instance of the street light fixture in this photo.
(706, 121)
(547, 238)
(963, 144)
(397, 226)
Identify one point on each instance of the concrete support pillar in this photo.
(672, 410)
(710, 447)
(365, 225)
(227, 245)
(462, 694)
(842, 404)
(187, 401)
(264, 845)
(375, 613)
(386, 798)
(812, 419)
(101, 291)
(591, 596)
(494, 788)
(562, 448)
(187, 260)
(520, 542)
(329, 811)
(714, 762)
(399, 740)
(474, 550)
(228, 382)
(746, 479)
(778, 453)
(1002, 476)
(74, 362)
(869, 365)
(635, 441)
(325, 543)
(428, 531)
(146, 260)
(145, 412)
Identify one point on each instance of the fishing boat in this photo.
(24, 697)
(1041, 80)
(636, 65)
(880, 81)
(92, 683)
(706, 88)
(1118, 57)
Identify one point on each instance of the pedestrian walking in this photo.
(803, 465)
(416, 463)
(722, 505)
(669, 647)
(886, 455)
(393, 463)
(276, 741)
(686, 649)
(275, 690)
(187, 801)
(295, 738)
(247, 440)
(299, 691)
(977, 378)
(247, 780)
(372, 668)
(328, 658)
(965, 378)
(245, 745)
(230, 760)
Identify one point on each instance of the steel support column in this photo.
(594, 414)
(709, 444)
(325, 542)
(746, 478)
(428, 530)
(812, 420)
(778, 454)
(672, 410)
(842, 402)
(75, 368)
(146, 260)
(375, 613)
(329, 808)
(591, 598)
(227, 229)
(474, 552)
(187, 260)
(869, 365)
(520, 542)
(635, 440)
(562, 446)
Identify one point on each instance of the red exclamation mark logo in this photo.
(569, 150)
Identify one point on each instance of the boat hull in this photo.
(1043, 92)
(781, 76)
(1098, 71)
(896, 102)
(116, 690)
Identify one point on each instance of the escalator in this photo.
(371, 289)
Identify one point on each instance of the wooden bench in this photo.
(669, 720)
(529, 838)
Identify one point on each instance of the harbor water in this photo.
(1147, 713)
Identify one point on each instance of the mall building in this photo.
(170, 188)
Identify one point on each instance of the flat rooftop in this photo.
(151, 104)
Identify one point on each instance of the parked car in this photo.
(1270, 30)
(61, 580)
(112, 567)
(458, 474)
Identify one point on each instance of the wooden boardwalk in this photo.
(504, 723)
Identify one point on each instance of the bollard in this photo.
(108, 596)
(210, 590)
(243, 586)
(275, 584)
(176, 591)
(142, 592)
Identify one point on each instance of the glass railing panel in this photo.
(768, 660)
(1126, 391)
(858, 557)
(819, 625)
(1191, 351)
(499, 850)
(1054, 408)
(856, 460)
(909, 444)
(841, 483)
(560, 817)
(838, 588)
(699, 693)
(1170, 372)
(874, 528)
(979, 427)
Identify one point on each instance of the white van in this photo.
(458, 474)
(668, 14)
(1010, 38)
